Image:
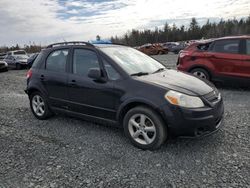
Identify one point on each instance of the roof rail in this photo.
(69, 43)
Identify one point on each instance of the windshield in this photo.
(131, 60)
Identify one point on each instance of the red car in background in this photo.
(153, 49)
(221, 59)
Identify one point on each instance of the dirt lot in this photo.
(68, 152)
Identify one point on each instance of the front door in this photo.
(87, 96)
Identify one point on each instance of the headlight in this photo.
(183, 100)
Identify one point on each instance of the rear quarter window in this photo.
(37, 60)
(248, 46)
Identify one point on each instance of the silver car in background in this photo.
(17, 59)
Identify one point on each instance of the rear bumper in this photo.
(194, 122)
(3, 66)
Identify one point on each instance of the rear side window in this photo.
(56, 61)
(227, 46)
(36, 61)
(248, 46)
(84, 60)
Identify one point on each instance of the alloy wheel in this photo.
(142, 129)
(38, 105)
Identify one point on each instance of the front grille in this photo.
(213, 96)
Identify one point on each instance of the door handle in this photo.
(42, 77)
(72, 82)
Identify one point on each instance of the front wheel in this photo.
(145, 128)
(39, 106)
(202, 73)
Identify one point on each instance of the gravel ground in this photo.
(68, 152)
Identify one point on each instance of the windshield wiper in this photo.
(139, 74)
(159, 70)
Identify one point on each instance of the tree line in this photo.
(193, 32)
(168, 34)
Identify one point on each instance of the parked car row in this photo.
(219, 60)
(174, 47)
(162, 48)
(17, 59)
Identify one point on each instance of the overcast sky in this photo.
(46, 21)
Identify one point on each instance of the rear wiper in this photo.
(159, 70)
(139, 74)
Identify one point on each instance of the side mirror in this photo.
(95, 73)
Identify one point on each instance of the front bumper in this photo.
(193, 122)
(23, 63)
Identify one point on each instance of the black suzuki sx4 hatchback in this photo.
(119, 85)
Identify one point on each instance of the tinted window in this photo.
(112, 73)
(36, 61)
(57, 60)
(248, 47)
(83, 61)
(227, 46)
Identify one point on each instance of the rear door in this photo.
(87, 96)
(54, 77)
(246, 59)
(226, 57)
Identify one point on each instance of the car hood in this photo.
(179, 81)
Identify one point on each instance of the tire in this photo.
(200, 72)
(18, 66)
(148, 135)
(44, 111)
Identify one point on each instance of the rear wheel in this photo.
(39, 106)
(200, 72)
(144, 128)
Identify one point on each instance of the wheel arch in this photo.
(125, 107)
(201, 67)
(35, 89)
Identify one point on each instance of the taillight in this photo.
(29, 74)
